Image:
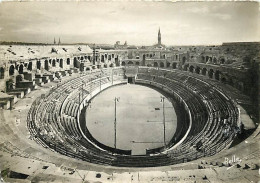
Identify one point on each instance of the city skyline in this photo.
(181, 23)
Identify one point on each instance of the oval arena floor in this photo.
(139, 116)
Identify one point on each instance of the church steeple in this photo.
(159, 37)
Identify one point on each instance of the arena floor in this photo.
(139, 118)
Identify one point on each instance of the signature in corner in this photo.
(234, 160)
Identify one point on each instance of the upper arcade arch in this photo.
(211, 73)
(2, 73)
(38, 64)
(204, 71)
(11, 70)
(53, 63)
(29, 67)
(191, 68)
(217, 75)
(197, 70)
(161, 64)
(61, 63)
(20, 69)
(68, 61)
(46, 65)
(174, 65)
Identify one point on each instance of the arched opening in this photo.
(204, 71)
(217, 75)
(207, 58)
(38, 64)
(2, 73)
(191, 69)
(186, 67)
(29, 66)
(202, 59)
(46, 65)
(116, 61)
(105, 56)
(174, 65)
(111, 65)
(75, 62)
(183, 60)
(197, 70)
(102, 58)
(81, 66)
(61, 63)
(214, 60)
(11, 70)
(17, 67)
(53, 63)
(81, 58)
(123, 63)
(105, 65)
(222, 60)
(143, 56)
(50, 61)
(109, 57)
(155, 64)
(19, 78)
(68, 61)
(88, 69)
(168, 64)
(21, 69)
(161, 64)
(211, 72)
(130, 63)
(137, 63)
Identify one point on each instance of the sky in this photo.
(181, 23)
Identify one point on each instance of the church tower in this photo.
(159, 37)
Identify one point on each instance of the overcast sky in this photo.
(181, 23)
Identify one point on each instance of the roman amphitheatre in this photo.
(123, 113)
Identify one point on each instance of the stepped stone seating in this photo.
(26, 84)
(24, 90)
(63, 73)
(58, 75)
(50, 76)
(6, 101)
(18, 94)
(209, 108)
(38, 81)
(43, 77)
(28, 76)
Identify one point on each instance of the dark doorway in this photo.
(130, 80)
